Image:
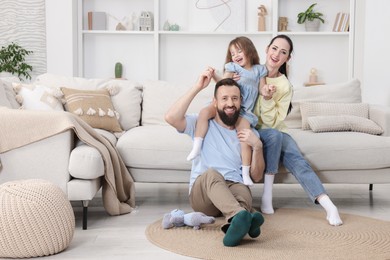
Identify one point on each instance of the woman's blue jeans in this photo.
(281, 147)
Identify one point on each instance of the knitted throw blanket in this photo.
(21, 127)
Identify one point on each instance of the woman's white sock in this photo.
(266, 199)
(332, 214)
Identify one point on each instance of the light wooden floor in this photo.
(123, 237)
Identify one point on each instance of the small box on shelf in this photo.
(97, 20)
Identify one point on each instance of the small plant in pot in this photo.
(12, 60)
(310, 18)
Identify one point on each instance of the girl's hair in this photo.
(283, 68)
(247, 46)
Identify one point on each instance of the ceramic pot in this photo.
(312, 26)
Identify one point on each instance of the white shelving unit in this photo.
(179, 56)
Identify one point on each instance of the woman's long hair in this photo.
(283, 68)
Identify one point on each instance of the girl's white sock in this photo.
(246, 175)
(196, 147)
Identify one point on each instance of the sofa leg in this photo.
(85, 214)
(370, 187)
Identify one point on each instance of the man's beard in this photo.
(228, 120)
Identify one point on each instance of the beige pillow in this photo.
(344, 123)
(343, 92)
(93, 106)
(127, 102)
(331, 109)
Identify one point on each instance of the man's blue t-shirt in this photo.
(221, 151)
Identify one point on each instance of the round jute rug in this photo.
(288, 234)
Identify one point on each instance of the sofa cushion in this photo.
(93, 106)
(37, 97)
(9, 91)
(155, 147)
(127, 101)
(343, 123)
(331, 109)
(159, 96)
(3, 97)
(343, 150)
(86, 162)
(346, 92)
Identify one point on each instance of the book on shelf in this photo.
(341, 23)
(97, 20)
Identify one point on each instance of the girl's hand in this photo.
(205, 78)
(247, 136)
(236, 77)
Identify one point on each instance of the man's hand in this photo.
(247, 136)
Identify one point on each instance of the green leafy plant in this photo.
(310, 15)
(12, 60)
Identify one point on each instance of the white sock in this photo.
(266, 199)
(246, 175)
(196, 147)
(332, 214)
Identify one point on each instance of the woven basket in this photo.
(36, 219)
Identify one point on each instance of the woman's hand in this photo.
(267, 91)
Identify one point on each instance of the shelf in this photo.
(117, 32)
(316, 33)
(157, 55)
(213, 33)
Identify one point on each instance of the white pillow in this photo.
(331, 109)
(36, 97)
(344, 123)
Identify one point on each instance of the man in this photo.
(216, 184)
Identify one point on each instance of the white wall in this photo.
(61, 41)
(376, 57)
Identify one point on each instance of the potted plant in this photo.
(310, 18)
(12, 60)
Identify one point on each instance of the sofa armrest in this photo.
(381, 115)
(46, 159)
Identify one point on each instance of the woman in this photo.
(272, 108)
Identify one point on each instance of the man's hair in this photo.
(225, 82)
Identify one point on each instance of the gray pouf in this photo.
(36, 219)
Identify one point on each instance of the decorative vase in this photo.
(174, 27)
(166, 26)
(312, 26)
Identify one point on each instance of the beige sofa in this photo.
(154, 152)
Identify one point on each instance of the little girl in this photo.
(241, 58)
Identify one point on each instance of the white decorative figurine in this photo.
(146, 21)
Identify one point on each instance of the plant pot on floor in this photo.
(312, 26)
